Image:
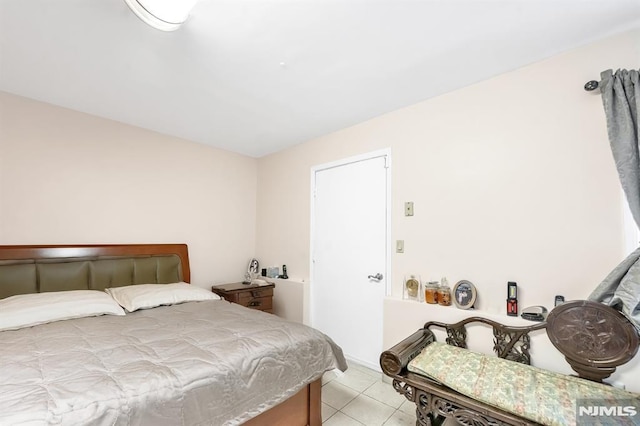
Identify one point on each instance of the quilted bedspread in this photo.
(196, 363)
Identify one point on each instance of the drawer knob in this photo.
(255, 303)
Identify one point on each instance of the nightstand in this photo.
(252, 296)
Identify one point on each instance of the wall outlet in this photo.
(408, 208)
(399, 246)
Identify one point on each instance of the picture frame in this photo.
(464, 294)
(253, 269)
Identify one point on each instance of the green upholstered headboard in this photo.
(35, 269)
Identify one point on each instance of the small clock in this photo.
(412, 287)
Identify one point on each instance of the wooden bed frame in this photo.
(302, 409)
(593, 337)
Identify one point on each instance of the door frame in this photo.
(386, 153)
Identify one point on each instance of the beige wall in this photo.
(67, 177)
(512, 180)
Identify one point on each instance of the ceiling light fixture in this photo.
(165, 15)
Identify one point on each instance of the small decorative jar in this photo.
(444, 293)
(431, 292)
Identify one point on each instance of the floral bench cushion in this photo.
(535, 394)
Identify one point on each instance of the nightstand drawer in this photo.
(259, 297)
(254, 294)
(260, 303)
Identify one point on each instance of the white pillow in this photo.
(144, 296)
(26, 310)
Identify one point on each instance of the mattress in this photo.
(195, 363)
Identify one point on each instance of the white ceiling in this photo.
(257, 76)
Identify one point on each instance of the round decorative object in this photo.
(464, 294)
(591, 85)
(413, 285)
(593, 337)
(390, 363)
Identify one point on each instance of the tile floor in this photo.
(359, 397)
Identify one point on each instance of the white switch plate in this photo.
(399, 246)
(408, 208)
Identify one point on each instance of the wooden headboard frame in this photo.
(93, 250)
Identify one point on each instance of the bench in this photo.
(448, 381)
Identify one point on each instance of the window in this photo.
(630, 229)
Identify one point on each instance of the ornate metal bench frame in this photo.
(594, 338)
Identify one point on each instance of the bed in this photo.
(206, 362)
(446, 380)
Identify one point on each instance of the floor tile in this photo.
(401, 419)
(385, 393)
(408, 407)
(387, 379)
(327, 411)
(355, 379)
(337, 395)
(362, 397)
(368, 411)
(329, 376)
(341, 419)
(366, 370)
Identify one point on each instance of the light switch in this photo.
(408, 208)
(399, 246)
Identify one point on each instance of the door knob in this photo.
(376, 277)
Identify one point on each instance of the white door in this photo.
(349, 244)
